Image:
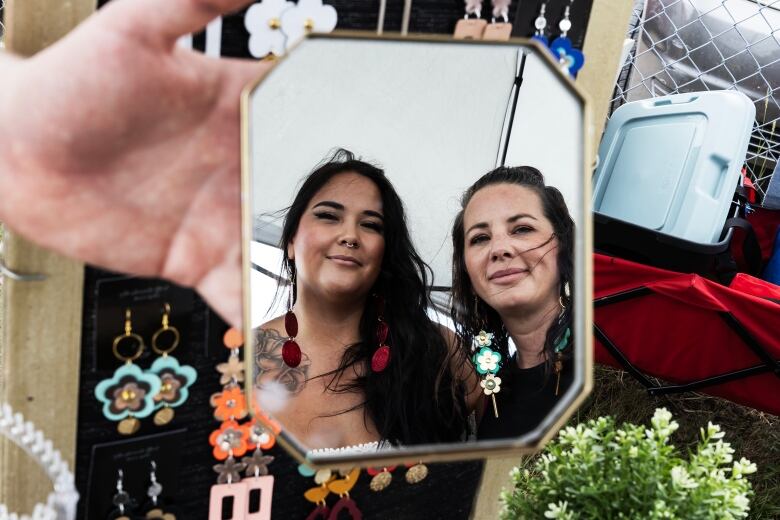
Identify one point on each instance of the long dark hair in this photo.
(416, 399)
(469, 312)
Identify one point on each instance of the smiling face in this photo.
(510, 249)
(339, 244)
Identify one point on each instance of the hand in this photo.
(120, 149)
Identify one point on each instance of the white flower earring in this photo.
(263, 20)
(308, 16)
(275, 25)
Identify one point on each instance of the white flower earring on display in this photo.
(308, 16)
(263, 21)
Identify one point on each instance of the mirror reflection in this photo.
(413, 262)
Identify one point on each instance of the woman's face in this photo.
(510, 250)
(339, 245)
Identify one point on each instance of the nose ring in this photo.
(350, 245)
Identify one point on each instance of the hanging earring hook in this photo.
(129, 335)
(166, 327)
(291, 294)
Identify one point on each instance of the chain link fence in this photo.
(696, 45)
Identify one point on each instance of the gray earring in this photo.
(121, 499)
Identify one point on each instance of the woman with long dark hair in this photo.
(513, 268)
(356, 358)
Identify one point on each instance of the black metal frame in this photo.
(768, 363)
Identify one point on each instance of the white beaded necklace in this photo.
(61, 503)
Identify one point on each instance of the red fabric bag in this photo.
(765, 223)
(689, 331)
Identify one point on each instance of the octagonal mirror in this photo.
(415, 249)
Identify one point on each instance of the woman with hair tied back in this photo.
(356, 358)
(513, 245)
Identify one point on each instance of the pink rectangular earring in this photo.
(471, 28)
(236, 490)
(499, 31)
(265, 485)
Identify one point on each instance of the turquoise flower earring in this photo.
(175, 378)
(488, 363)
(129, 394)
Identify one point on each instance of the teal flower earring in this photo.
(486, 360)
(175, 378)
(129, 394)
(488, 363)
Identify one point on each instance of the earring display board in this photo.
(427, 17)
(181, 449)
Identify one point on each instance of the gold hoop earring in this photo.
(166, 327)
(175, 378)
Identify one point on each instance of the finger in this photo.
(164, 21)
(241, 72)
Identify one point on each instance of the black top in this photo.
(526, 397)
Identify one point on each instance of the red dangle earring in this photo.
(291, 352)
(381, 357)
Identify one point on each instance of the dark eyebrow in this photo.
(519, 216)
(340, 207)
(330, 204)
(376, 214)
(483, 225)
(480, 225)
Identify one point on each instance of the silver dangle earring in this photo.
(121, 498)
(153, 492)
(540, 24)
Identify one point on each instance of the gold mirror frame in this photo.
(528, 443)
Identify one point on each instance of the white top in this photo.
(366, 447)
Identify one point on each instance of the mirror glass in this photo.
(366, 341)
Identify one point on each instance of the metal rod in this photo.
(380, 24)
(407, 16)
(623, 360)
(710, 381)
(20, 277)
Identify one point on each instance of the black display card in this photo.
(145, 297)
(134, 457)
